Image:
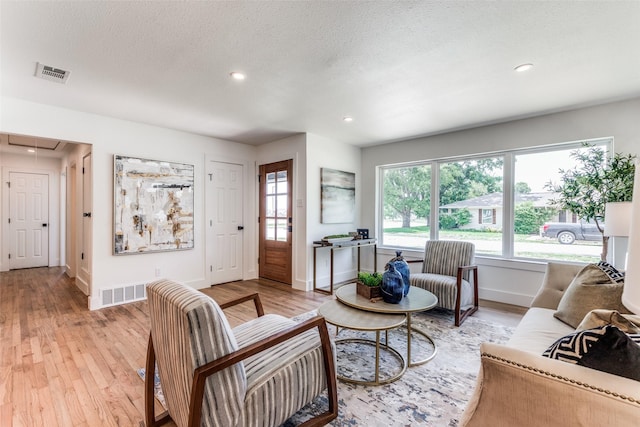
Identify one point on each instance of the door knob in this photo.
(87, 214)
(240, 227)
(45, 225)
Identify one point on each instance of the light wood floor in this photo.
(63, 365)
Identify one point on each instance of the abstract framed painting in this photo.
(153, 206)
(338, 196)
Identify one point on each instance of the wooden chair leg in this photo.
(461, 315)
(332, 387)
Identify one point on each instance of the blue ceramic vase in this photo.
(402, 267)
(392, 287)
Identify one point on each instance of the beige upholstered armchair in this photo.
(258, 373)
(445, 273)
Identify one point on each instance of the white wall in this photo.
(326, 153)
(502, 280)
(111, 136)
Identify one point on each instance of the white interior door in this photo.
(29, 220)
(224, 209)
(72, 221)
(85, 254)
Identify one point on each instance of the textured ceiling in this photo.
(401, 69)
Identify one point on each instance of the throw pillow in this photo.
(626, 323)
(605, 348)
(611, 271)
(591, 289)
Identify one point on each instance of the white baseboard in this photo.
(505, 297)
(82, 285)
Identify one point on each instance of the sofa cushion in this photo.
(557, 278)
(605, 348)
(537, 329)
(592, 288)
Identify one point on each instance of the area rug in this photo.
(432, 394)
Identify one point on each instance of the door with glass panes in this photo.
(276, 227)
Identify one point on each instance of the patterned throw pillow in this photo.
(608, 269)
(605, 348)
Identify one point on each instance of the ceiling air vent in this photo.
(50, 73)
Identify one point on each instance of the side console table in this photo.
(350, 244)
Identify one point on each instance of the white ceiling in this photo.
(401, 69)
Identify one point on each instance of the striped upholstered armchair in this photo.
(445, 273)
(257, 374)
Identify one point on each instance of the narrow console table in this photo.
(320, 245)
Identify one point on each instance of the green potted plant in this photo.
(368, 284)
(596, 181)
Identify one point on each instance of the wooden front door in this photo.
(275, 222)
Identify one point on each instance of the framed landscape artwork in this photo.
(153, 206)
(338, 196)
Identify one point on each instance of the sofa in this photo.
(517, 386)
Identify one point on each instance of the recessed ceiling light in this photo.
(523, 67)
(347, 119)
(31, 150)
(238, 75)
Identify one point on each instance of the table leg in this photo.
(410, 330)
(375, 257)
(314, 267)
(409, 339)
(377, 374)
(376, 380)
(331, 273)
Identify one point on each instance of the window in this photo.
(470, 204)
(276, 206)
(472, 187)
(406, 206)
(487, 216)
(533, 170)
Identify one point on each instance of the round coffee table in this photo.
(343, 316)
(417, 299)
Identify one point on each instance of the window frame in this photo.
(508, 178)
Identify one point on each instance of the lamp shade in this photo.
(617, 218)
(631, 292)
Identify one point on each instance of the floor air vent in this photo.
(50, 73)
(123, 294)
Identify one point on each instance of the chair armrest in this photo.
(256, 302)
(464, 268)
(520, 388)
(201, 374)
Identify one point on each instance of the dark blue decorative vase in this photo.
(392, 287)
(402, 267)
